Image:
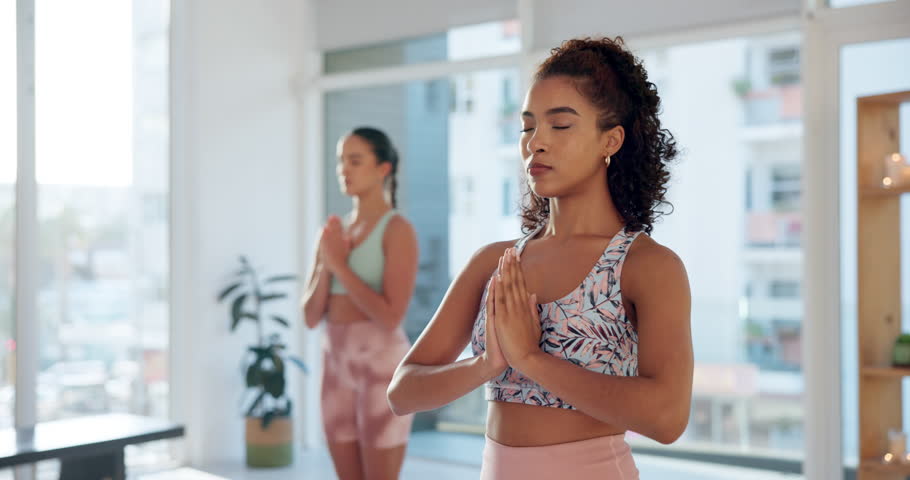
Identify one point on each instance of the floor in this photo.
(461, 462)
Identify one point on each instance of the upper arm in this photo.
(401, 256)
(445, 337)
(660, 289)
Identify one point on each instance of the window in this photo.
(509, 207)
(441, 151)
(769, 85)
(784, 289)
(8, 165)
(853, 3)
(748, 190)
(510, 107)
(453, 150)
(748, 381)
(102, 170)
(783, 65)
(785, 188)
(461, 43)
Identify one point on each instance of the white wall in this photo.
(235, 191)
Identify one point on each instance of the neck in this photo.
(590, 211)
(371, 204)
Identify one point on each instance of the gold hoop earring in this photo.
(607, 161)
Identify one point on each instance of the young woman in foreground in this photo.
(580, 328)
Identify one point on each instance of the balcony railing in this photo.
(778, 104)
(773, 229)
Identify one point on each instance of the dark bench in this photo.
(89, 448)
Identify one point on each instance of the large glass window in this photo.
(454, 168)
(457, 180)
(460, 43)
(854, 3)
(102, 171)
(746, 312)
(8, 154)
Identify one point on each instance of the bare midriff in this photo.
(342, 309)
(521, 425)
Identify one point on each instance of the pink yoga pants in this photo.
(601, 458)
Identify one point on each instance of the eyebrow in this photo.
(553, 111)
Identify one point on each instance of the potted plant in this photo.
(269, 430)
(901, 356)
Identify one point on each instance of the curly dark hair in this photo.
(614, 80)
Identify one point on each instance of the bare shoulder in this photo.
(650, 263)
(399, 225)
(399, 232)
(486, 258)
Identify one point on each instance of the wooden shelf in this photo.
(883, 192)
(878, 466)
(886, 371)
(878, 278)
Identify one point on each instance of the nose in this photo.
(537, 144)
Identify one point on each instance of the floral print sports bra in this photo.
(587, 327)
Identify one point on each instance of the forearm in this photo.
(417, 388)
(641, 404)
(373, 304)
(316, 298)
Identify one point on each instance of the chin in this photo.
(542, 190)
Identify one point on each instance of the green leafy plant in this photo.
(264, 363)
(742, 86)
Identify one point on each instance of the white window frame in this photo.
(26, 335)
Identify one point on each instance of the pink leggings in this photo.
(358, 362)
(601, 458)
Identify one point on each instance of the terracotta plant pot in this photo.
(272, 447)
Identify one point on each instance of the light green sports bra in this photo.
(367, 259)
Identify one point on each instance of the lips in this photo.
(537, 168)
